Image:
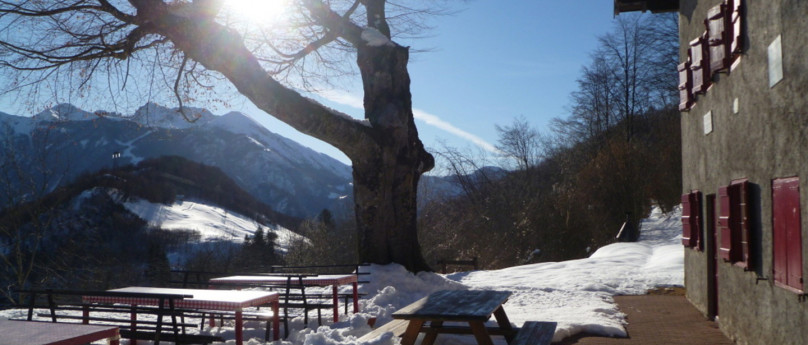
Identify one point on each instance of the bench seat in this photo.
(175, 338)
(535, 333)
(397, 327)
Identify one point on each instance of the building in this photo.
(744, 101)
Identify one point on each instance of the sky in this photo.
(489, 63)
(577, 294)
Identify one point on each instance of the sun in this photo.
(257, 11)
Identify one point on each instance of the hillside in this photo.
(146, 218)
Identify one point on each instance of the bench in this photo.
(362, 277)
(64, 306)
(535, 333)
(397, 327)
(531, 333)
(444, 263)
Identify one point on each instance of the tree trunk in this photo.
(386, 176)
(387, 155)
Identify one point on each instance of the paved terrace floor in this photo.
(657, 320)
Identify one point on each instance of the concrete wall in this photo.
(766, 139)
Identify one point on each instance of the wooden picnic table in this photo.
(14, 332)
(473, 307)
(335, 280)
(203, 300)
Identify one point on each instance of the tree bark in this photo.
(386, 175)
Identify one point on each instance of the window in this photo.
(691, 220)
(699, 65)
(685, 86)
(716, 24)
(787, 233)
(734, 223)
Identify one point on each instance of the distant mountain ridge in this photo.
(289, 177)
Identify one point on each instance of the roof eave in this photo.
(655, 6)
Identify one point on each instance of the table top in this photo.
(455, 305)
(203, 298)
(48, 333)
(318, 280)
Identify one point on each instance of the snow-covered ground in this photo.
(578, 294)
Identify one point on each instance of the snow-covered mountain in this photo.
(291, 178)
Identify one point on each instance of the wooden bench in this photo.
(397, 327)
(535, 333)
(444, 263)
(531, 333)
(64, 306)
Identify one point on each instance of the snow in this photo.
(64, 112)
(211, 222)
(578, 294)
(375, 38)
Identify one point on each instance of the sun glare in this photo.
(257, 11)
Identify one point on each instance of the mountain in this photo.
(58, 144)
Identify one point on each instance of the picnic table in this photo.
(203, 300)
(471, 307)
(45, 333)
(335, 280)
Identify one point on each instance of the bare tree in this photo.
(593, 102)
(520, 142)
(29, 169)
(193, 43)
(637, 53)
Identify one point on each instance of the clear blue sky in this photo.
(492, 61)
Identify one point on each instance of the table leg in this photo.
(355, 297)
(335, 297)
(116, 340)
(413, 328)
(239, 326)
(480, 332)
(504, 323)
(133, 324)
(276, 323)
(430, 337)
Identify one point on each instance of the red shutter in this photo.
(787, 232)
(695, 219)
(700, 65)
(691, 219)
(686, 214)
(723, 223)
(685, 86)
(716, 39)
(743, 222)
(734, 27)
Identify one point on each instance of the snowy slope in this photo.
(211, 222)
